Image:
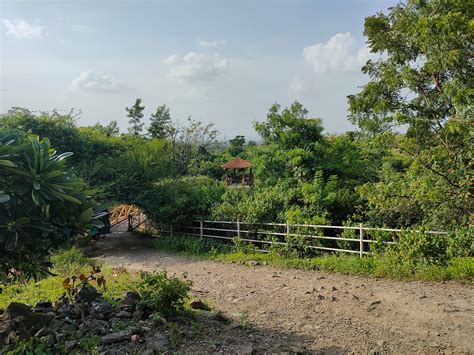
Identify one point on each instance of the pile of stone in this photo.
(63, 325)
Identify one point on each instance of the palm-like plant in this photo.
(42, 203)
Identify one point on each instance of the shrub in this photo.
(163, 294)
(43, 205)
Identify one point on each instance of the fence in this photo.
(347, 239)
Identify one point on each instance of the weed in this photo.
(163, 294)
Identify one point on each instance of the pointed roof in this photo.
(237, 163)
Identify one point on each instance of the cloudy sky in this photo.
(219, 61)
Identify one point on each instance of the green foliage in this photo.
(422, 85)
(163, 294)
(190, 245)
(90, 344)
(43, 204)
(135, 113)
(180, 201)
(70, 261)
(160, 122)
(33, 345)
(236, 146)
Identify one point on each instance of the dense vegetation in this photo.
(408, 165)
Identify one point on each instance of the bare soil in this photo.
(275, 309)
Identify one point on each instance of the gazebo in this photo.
(238, 172)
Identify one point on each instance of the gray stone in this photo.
(159, 342)
(246, 348)
(123, 314)
(131, 298)
(49, 340)
(103, 308)
(146, 352)
(88, 293)
(69, 345)
(16, 309)
(116, 337)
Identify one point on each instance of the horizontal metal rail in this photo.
(214, 230)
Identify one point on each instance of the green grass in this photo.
(67, 263)
(384, 265)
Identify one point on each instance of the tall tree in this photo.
(135, 113)
(188, 143)
(236, 145)
(160, 120)
(421, 85)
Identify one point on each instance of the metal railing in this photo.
(346, 239)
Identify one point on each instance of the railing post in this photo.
(200, 229)
(361, 240)
(238, 229)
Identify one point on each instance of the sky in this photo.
(224, 62)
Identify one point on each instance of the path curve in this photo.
(302, 311)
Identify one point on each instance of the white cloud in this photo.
(207, 44)
(195, 66)
(89, 81)
(20, 28)
(340, 53)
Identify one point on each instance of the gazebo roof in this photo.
(237, 163)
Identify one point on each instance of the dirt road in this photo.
(311, 311)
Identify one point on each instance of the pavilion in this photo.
(238, 172)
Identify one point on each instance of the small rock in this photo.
(355, 297)
(333, 299)
(198, 304)
(49, 340)
(88, 293)
(307, 292)
(321, 297)
(158, 343)
(138, 314)
(69, 345)
(123, 314)
(146, 352)
(116, 337)
(103, 308)
(333, 288)
(131, 298)
(246, 348)
(16, 309)
(253, 263)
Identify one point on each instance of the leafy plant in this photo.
(163, 294)
(43, 205)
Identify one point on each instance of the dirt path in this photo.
(302, 311)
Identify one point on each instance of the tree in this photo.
(110, 130)
(187, 142)
(236, 145)
(135, 113)
(160, 120)
(422, 85)
(42, 203)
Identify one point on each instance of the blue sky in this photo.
(224, 62)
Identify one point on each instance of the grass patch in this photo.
(67, 263)
(388, 265)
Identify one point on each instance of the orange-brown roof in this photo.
(237, 163)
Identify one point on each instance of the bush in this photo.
(190, 245)
(163, 294)
(43, 205)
